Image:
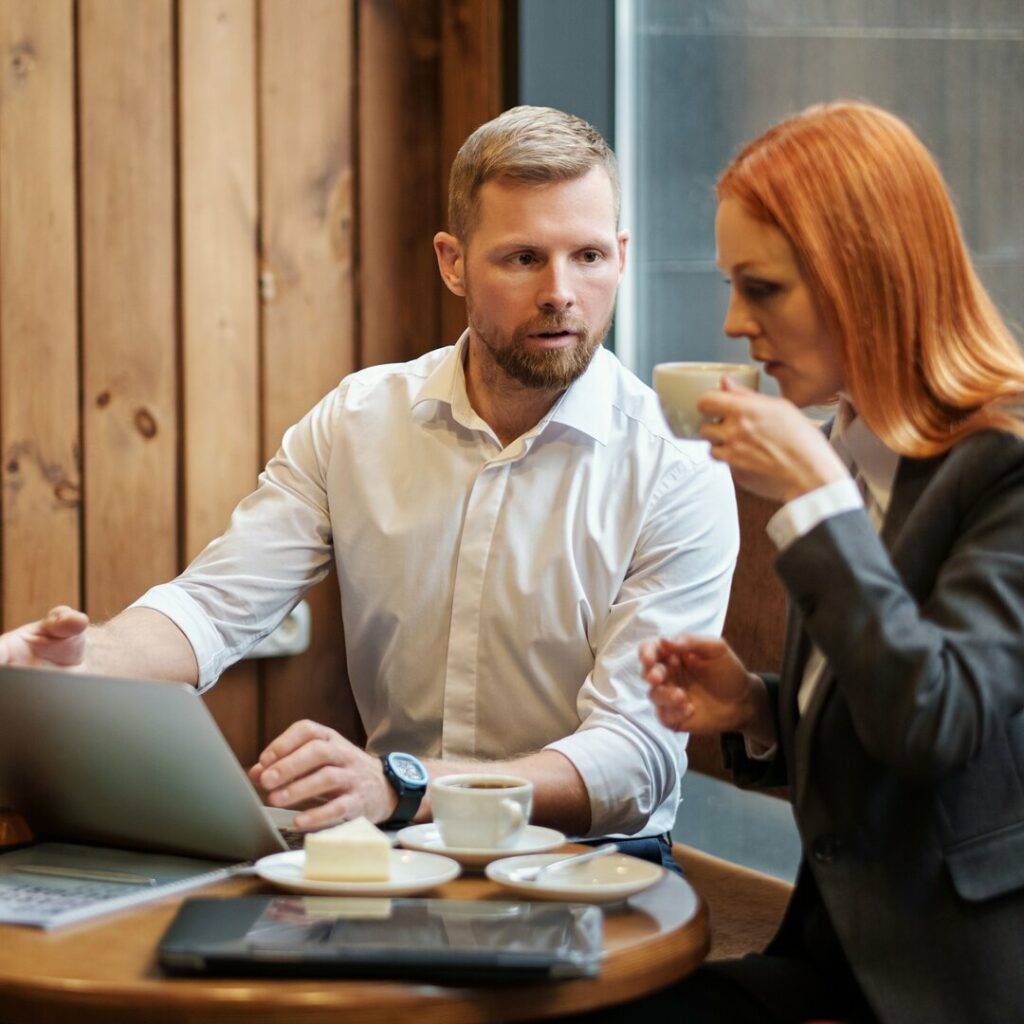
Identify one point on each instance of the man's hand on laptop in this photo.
(312, 766)
(58, 641)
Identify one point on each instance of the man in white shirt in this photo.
(509, 518)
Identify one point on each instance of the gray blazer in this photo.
(907, 769)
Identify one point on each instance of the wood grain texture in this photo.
(472, 76)
(307, 136)
(307, 75)
(400, 199)
(183, 285)
(107, 973)
(39, 411)
(747, 906)
(14, 830)
(755, 623)
(129, 299)
(220, 427)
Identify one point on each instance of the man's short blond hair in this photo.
(530, 146)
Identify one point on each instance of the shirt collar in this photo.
(864, 453)
(584, 406)
(447, 385)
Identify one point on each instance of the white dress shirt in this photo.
(493, 599)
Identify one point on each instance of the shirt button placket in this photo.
(458, 730)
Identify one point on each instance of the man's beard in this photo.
(540, 368)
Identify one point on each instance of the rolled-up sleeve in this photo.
(677, 582)
(278, 545)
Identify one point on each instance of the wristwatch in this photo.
(409, 780)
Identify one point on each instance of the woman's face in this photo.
(772, 306)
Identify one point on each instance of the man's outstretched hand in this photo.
(58, 641)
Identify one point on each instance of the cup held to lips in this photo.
(481, 811)
(680, 386)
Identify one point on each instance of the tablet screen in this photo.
(446, 940)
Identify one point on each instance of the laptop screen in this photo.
(128, 763)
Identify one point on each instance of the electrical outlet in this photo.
(291, 637)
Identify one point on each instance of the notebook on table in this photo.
(118, 769)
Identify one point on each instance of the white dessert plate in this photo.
(597, 881)
(427, 838)
(411, 872)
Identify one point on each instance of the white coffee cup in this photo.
(482, 811)
(680, 385)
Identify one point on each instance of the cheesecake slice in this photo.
(355, 851)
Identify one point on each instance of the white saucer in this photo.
(603, 880)
(410, 873)
(427, 838)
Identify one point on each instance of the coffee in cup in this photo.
(481, 811)
(680, 385)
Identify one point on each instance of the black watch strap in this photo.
(410, 792)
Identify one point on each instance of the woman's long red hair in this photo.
(927, 359)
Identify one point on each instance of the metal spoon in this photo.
(535, 872)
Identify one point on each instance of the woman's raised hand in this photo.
(699, 685)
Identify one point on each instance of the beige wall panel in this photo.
(400, 202)
(472, 41)
(219, 309)
(129, 314)
(306, 171)
(39, 422)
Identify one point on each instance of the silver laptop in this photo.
(125, 763)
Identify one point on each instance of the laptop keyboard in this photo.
(17, 896)
(293, 840)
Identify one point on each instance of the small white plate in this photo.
(427, 837)
(603, 880)
(411, 872)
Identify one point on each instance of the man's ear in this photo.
(450, 262)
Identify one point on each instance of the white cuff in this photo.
(625, 799)
(182, 609)
(799, 516)
(758, 751)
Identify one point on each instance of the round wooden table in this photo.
(106, 971)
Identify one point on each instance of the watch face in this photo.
(408, 769)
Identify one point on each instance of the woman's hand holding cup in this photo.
(770, 446)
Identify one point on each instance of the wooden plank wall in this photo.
(308, 279)
(210, 211)
(220, 339)
(39, 362)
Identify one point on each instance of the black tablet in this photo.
(445, 941)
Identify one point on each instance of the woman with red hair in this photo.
(897, 718)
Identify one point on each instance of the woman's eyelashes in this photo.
(758, 289)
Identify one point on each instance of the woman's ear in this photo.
(450, 262)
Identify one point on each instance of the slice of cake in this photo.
(355, 851)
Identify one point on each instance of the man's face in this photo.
(539, 273)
